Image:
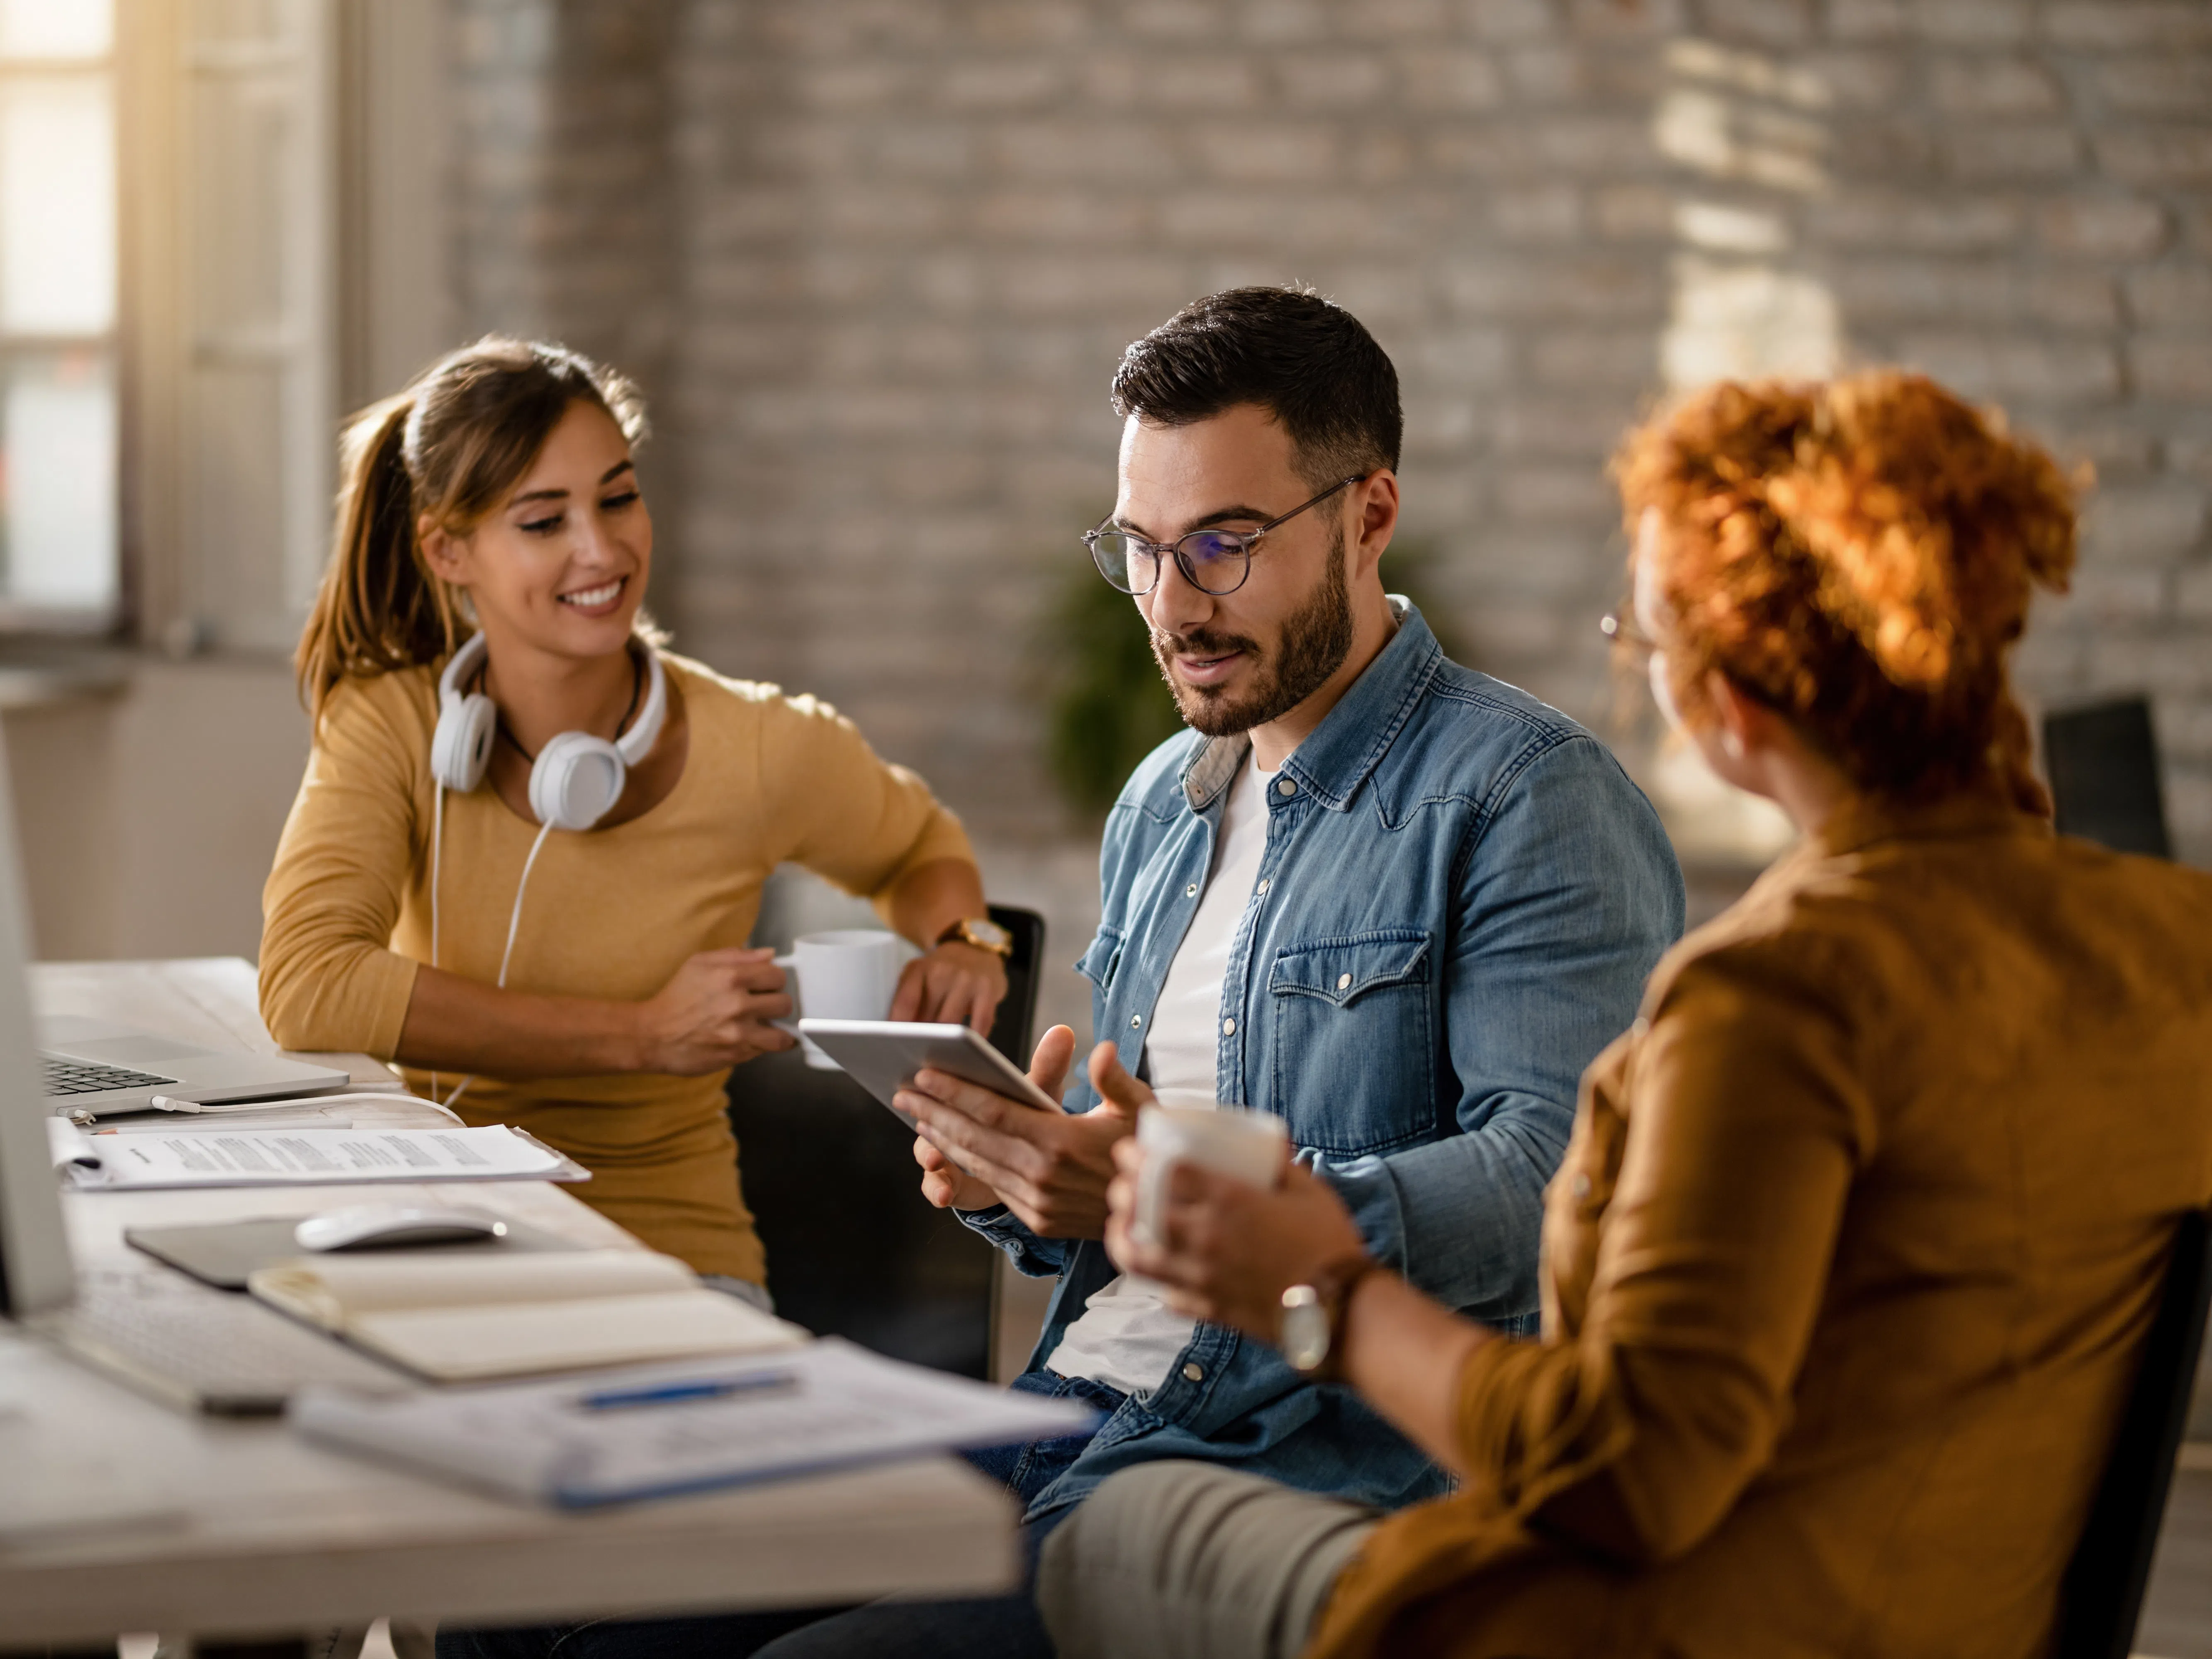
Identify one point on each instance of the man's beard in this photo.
(1315, 640)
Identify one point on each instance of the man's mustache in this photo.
(1202, 644)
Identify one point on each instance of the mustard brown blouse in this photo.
(1846, 1269)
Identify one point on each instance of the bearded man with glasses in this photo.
(1390, 900)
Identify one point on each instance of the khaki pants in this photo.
(1177, 1560)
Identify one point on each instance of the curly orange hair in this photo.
(1859, 555)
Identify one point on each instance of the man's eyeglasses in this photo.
(1623, 631)
(1214, 561)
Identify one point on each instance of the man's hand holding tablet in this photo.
(1051, 1170)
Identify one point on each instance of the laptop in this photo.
(171, 1337)
(95, 1068)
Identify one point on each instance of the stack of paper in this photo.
(650, 1433)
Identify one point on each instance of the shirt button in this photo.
(1229, 1027)
(1135, 1020)
(1193, 1372)
(1286, 788)
(1262, 887)
(1191, 891)
(1343, 982)
(1582, 1186)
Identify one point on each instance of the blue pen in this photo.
(669, 1394)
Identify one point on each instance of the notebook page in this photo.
(336, 1290)
(463, 1345)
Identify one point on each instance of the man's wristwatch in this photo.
(1311, 1331)
(983, 934)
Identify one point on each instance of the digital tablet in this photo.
(883, 1055)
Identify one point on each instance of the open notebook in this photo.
(458, 1319)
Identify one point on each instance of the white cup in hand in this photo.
(847, 973)
(1231, 1140)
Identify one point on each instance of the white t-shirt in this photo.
(1127, 1337)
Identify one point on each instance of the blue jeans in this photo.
(983, 1627)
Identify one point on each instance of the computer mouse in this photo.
(385, 1226)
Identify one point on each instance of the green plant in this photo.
(1110, 708)
(1408, 568)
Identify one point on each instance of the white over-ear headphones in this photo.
(573, 782)
(575, 779)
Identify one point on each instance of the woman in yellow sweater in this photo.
(529, 846)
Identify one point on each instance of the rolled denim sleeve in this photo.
(1039, 1258)
(1566, 896)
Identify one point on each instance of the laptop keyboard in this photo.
(231, 1353)
(78, 1077)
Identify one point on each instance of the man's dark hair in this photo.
(1304, 359)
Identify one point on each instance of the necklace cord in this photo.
(636, 685)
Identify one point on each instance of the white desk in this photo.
(246, 1530)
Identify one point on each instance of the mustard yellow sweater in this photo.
(610, 913)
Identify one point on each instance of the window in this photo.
(173, 297)
(58, 555)
(231, 169)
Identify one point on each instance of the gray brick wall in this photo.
(877, 259)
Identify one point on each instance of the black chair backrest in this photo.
(2103, 762)
(2104, 1591)
(853, 1248)
(1013, 1033)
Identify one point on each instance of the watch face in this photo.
(1305, 1335)
(988, 934)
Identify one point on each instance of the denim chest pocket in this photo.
(1100, 962)
(1354, 1048)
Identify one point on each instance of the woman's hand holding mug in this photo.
(714, 1011)
(1224, 1247)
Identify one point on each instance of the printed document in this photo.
(202, 1155)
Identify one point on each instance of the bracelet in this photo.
(981, 933)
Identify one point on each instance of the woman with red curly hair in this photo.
(1851, 1257)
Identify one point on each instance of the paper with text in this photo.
(203, 1156)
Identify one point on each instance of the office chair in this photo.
(2103, 762)
(853, 1248)
(2103, 1594)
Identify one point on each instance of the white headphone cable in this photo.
(437, 855)
(520, 887)
(514, 922)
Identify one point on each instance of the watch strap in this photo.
(969, 931)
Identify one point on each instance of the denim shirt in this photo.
(1461, 896)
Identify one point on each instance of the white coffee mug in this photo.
(1232, 1140)
(847, 973)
